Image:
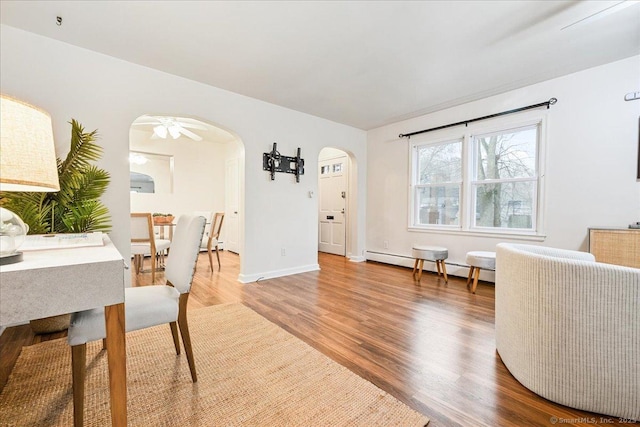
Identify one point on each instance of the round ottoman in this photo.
(479, 260)
(429, 253)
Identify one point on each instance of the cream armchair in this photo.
(568, 328)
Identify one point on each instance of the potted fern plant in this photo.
(76, 208)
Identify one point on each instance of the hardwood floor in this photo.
(429, 344)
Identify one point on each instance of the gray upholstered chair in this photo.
(436, 254)
(479, 260)
(145, 306)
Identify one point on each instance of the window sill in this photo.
(515, 235)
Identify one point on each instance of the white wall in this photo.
(198, 175)
(108, 94)
(330, 153)
(592, 154)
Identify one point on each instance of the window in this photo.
(438, 183)
(484, 182)
(327, 169)
(504, 186)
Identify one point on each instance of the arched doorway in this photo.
(196, 167)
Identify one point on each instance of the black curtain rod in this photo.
(466, 122)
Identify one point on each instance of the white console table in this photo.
(59, 281)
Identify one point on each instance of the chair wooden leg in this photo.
(444, 271)
(153, 269)
(210, 257)
(421, 266)
(174, 333)
(184, 331)
(415, 268)
(78, 369)
(438, 267)
(471, 269)
(135, 265)
(475, 280)
(116, 356)
(218, 256)
(104, 343)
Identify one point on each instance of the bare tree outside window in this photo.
(505, 178)
(439, 183)
(479, 182)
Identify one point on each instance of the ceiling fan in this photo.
(164, 126)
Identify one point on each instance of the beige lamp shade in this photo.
(27, 151)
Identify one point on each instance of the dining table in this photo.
(162, 231)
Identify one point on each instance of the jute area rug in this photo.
(250, 373)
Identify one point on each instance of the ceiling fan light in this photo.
(137, 159)
(160, 130)
(174, 130)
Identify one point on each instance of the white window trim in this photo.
(530, 118)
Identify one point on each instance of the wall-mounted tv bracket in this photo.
(275, 162)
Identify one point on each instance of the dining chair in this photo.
(214, 236)
(144, 242)
(145, 306)
(207, 228)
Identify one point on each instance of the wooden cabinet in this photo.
(619, 246)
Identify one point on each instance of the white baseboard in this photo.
(248, 278)
(453, 269)
(357, 258)
(391, 259)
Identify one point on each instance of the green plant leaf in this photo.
(90, 216)
(76, 208)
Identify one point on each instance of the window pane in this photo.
(511, 154)
(439, 205)
(440, 163)
(505, 205)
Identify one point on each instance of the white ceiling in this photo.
(361, 63)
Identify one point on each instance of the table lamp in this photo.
(27, 163)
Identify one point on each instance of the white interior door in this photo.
(333, 197)
(230, 227)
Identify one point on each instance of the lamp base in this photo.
(11, 258)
